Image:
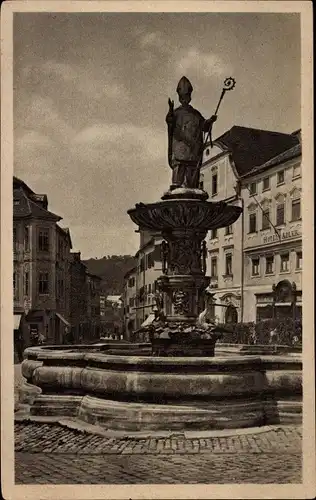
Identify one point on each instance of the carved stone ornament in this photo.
(181, 302)
(184, 256)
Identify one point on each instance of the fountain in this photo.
(185, 386)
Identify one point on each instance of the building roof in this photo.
(24, 206)
(287, 155)
(18, 183)
(66, 231)
(253, 147)
(131, 271)
(94, 276)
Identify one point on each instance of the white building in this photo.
(140, 283)
(240, 159)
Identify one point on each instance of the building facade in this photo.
(140, 282)
(273, 238)
(129, 303)
(93, 306)
(257, 260)
(78, 298)
(41, 255)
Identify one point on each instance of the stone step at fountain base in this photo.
(131, 416)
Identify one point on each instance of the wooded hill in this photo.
(112, 270)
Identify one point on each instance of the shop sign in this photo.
(285, 235)
(265, 299)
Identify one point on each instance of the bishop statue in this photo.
(186, 126)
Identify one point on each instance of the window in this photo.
(284, 262)
(269, 264)
(229, 230)
(228, 265)
(201, 182)
(266, 219)
(299, 260)
(26, 238)
(214, 267)
(43, 283)
(213, 234)
(255, 266)
(280, 214)
(296, 171)
(26, 283)
(43, 240)
(252, 223)
(280, 177)
(142, 264)
(207, 152)
(266, 184)
(231, 315)
(131, 282)
(253, 188)
(296, 209)
(151, 261)
(214, 184)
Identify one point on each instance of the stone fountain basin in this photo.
(184, 213)
(162, 393)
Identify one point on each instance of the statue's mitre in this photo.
(184, 87)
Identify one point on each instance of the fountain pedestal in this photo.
(183, 216)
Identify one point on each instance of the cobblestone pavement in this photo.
(51, 453)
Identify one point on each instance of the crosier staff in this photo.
(229, 84)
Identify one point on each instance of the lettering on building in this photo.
(284, 236)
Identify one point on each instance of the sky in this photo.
(91, 95)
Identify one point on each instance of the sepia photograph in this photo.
(156, 256)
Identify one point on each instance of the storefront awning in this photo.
(62, 319)
(148, 321)
(17, 321)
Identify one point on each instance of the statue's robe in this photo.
(187, 146)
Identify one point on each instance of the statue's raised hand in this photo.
(171, 104)
(169, 117)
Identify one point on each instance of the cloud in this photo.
(156, 40)
(39, 113)
(198, 62)
(153, 46)
(80, 79)
(122, 142)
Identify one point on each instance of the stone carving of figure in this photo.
(185, 134)
(181, 302)
(159, 302)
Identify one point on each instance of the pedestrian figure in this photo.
(273, 338)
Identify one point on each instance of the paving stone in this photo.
(151, 469)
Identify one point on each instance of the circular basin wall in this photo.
(144, 392)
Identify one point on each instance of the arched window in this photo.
(280, 210)
(231, 315)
